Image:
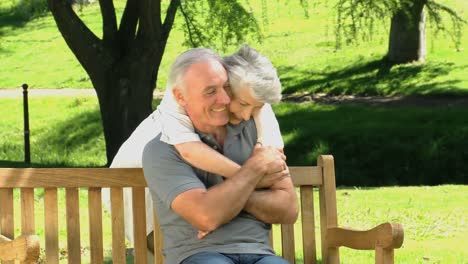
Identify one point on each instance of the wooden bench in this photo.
(383, 239)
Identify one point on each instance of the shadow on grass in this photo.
(21, 13)
(380, 147)
(9, 18)
(72, 139)
(374, 77)
(75, 142)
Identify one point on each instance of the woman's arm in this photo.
(271, 133)
(195, 153)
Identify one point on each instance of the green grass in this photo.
(302, 49)
(371, 146)
(64, 132)
(379, 146)
(434, 219)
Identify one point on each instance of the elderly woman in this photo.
(254, 85)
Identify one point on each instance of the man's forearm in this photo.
(277, 205)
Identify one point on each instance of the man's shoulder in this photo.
(156, 146)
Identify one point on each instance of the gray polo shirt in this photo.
(168, 175)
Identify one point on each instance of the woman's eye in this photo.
(243, 104)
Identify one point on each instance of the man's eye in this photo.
(210, 92)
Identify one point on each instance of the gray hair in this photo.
(185, 60)
(247, 67)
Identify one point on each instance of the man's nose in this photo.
(223, 97)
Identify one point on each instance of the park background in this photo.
(407, 127)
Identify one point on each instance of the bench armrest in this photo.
(387, 236)
(24, 248)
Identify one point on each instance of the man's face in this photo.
(204, 96)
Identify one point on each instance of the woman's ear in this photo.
(179, 96)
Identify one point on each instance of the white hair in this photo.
(185, 60)
(248, 68)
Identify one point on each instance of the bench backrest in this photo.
(30, 180)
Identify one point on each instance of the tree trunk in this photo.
(125, 97)
(123, 65)
(407, 41)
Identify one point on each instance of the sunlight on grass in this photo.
(302, 50)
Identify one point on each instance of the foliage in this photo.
(218, 24)
(29, 9)
(435, 11)
(357, 19)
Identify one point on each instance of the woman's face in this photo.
(243, 105)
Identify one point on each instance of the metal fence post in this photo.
(27, 150)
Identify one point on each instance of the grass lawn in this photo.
(302, 49)
(371, 146)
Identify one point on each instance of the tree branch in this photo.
(189, 23)
(150, 21)
(86, 46)
(109, 21)
(169, 19)
(155, 16)
(128, 24)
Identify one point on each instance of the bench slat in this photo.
(158, 240)
(73, 225)
(139, 224)
(328, 214)
(308, 225)
(106, 177)
(27, 211)
(51, 225)
(118, 230)
(306, 176)
(60, 177)
(287, 243)
(95, 225)
(7, 225)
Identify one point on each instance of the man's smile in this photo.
(221, 109)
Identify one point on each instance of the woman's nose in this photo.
(246, 114)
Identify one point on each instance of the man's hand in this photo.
(270, 179)
(266, 160)
(276, 165)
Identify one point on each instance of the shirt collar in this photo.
(232, 130)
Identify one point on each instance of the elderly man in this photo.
(235, 215)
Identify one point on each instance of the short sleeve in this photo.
(176, 126)
(130, 153)
(166, 174)
(271, 133)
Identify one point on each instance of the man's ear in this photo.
(179, 96)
